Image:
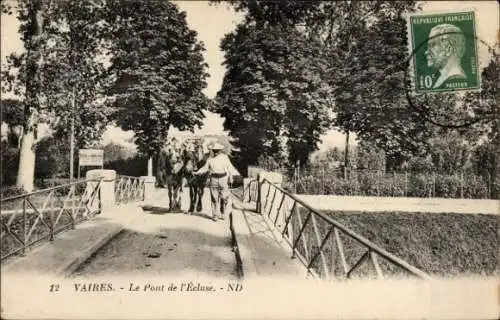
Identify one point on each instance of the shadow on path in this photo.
(203, 250)
(163, 210)
(270, 254)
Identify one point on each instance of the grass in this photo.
(442, 244)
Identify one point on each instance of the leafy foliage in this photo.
(308, 59)
(368, 50)
(9, 164)
(33, 17)
(114, 151)
(77, 69)
(359, 50)
(52, 158)
(13, 116)
(59, 75)
(134, 166)
(6, 7)
(272, 98)
(157, 70)
(485, 105)
(12, 112)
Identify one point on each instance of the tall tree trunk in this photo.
(19, 137)
(72, 139)
(26, 171)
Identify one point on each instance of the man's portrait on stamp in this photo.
(445, 49)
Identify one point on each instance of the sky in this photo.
(212, 22)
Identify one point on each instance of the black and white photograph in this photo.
(250, 159)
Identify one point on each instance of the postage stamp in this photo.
(443, 49)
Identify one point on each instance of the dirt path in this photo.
(167, 244)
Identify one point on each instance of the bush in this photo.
(399, 185)
(372, 183)
(11, 192)
(448, 186)
(49, 183)
(114, 152)
(476, 187)
(136, 166)
(419, 185)
(9, 165)
(389, 186)
(367, 183)
(52, 158)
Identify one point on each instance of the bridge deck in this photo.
(267, 254)
(160, 243)
(146, 239)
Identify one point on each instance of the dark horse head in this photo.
(195, 158)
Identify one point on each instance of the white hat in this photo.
(216, 146)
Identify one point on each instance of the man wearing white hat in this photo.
(219, 168)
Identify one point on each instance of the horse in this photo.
(170, 174)
(195, 158)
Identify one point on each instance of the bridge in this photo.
(58, 242)
(112, 225)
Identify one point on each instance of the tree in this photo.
(485, 105)
(367, 44)
(57, 75)
(272, 98)
(74, 63)
(486, 156)
(157, 70)
(12, 112)
(33, 15)
(114, 152)
(12, 115)
(354, 35)
(486, 163)
(450, 153)
(370, 157)
(366, 49)
(51, 157)
(247, 101)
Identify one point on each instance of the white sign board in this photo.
(253, 171)
(91, 157)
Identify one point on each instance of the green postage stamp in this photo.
(443, 49)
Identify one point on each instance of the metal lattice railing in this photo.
(128, 189)
(327, 248)
(29, 218)
(250, 191)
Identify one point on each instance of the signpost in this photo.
(90, 157)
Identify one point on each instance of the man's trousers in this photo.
(219, 194)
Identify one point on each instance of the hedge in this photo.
(370, 183)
